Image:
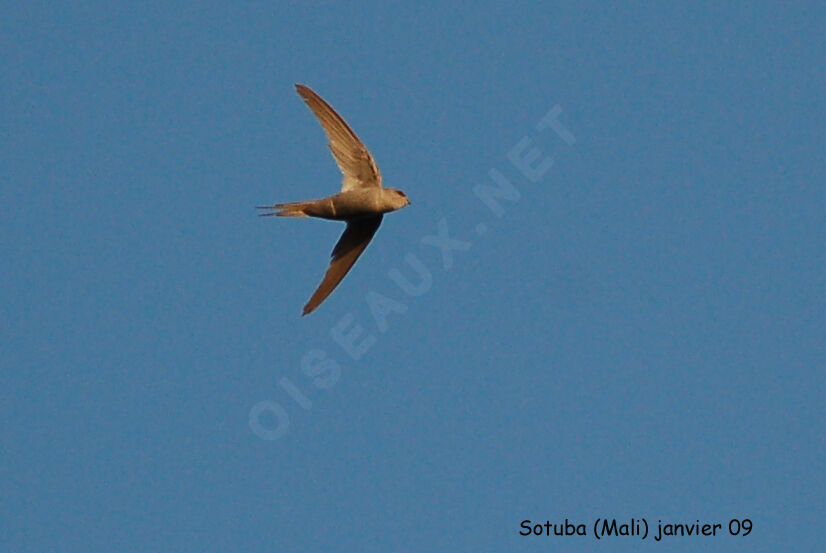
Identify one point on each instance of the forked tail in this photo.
(294, 209)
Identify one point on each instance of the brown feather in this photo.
(356, 163)
(350, 246)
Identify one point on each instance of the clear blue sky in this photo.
(637, 330)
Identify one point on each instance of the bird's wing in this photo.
(351, 155)
(356, 236)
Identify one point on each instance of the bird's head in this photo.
(398, 199)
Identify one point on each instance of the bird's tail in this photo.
(294, 209)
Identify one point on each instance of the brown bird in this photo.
(361, 203)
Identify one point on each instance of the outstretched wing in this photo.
(351, 155)
(356, 236)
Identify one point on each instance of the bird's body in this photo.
(345, 206)
(362, 201)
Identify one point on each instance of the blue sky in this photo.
(637, 330)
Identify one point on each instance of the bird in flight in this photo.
(361, 203)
